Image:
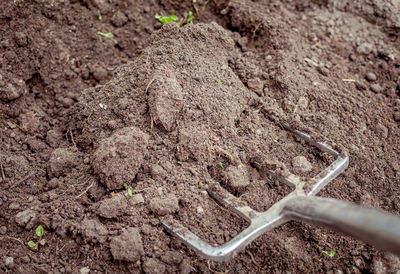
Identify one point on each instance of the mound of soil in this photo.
(102, 140)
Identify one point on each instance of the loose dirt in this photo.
(102, 139)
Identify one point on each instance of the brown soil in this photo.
(169, 112)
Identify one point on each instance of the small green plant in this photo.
(100, 17)
(329, 253)
(166, 19)
(41, 241)
(129, 189)
(220, 83)
(221, 165)
(108, 35)
(152, 180)
(175, 19)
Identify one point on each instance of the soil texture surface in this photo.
(111, 123)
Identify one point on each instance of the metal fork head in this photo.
(261, 222)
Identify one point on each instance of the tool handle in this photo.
(372, 226)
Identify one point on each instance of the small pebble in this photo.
(376, 88)
(26, 259)
(396, 116)
(200, 210)
(365, 48)
(256, 85)
(324, 71)
(119, 19)
(99, 73)
(9, 262)
(360, 86)
(14, 206)
(3, 230)
(86, 160)
(370, 76)
(301, 164)
(84, 270)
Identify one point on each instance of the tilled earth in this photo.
(104, 138)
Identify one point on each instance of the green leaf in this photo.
(106, 35)
(166, 19)
(32, 244)
(190, 17)
(100, 17)
(130, 191)
(220, 165)
(219, 82)
(126, 186)
(329, 253)
(152, 180)
(40, 231)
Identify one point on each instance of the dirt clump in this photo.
(128, 246)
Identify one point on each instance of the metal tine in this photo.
(229, 202)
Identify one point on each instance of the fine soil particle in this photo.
(103, 138)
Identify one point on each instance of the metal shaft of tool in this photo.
(372, 226)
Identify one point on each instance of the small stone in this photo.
(365, 48)
(23, 217)
(360, 86)
(324, 71)
(9, 262)
(396, 116)
(185, 267)
(14, 206)
(86, 160)
(243, 41)
(200, 210)
(172, 257)
(137, 199)
(152, 266)
(301, 164)
(370, 76)
(25, 259)
(119, 19)
(3, 230)
(66, 102)
(382, 130)
(302, 103)
(164, 206)
(376, 88)
(10, 92)
(128, 246)
(99, 73)
(237, 177)
(256, 85)
(84, 270)
(113, 207)
(21, 39)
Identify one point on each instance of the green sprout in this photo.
(190, 17)
(129, 189)
(108, 35)
(152, 180)
(100, 17)
(41, 241)
(329, 253)
(175, 19)
(166, 19)
(220, 165)
(220, 83)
